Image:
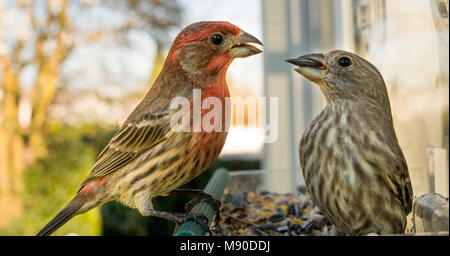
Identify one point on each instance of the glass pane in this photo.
(408, 41)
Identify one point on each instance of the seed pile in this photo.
(271, 214)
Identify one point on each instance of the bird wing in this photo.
(133, 138)
(398, 181)
(403, 185)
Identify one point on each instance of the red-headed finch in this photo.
(352, 163)
(146, 157)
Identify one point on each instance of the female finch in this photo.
(352, 163)
(146, 158)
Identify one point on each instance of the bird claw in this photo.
(216, 204)
(189, 205)
(196, 217)
(200, 195)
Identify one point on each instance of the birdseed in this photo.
(271, 214)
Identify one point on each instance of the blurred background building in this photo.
(72, 71)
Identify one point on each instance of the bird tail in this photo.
(63, 216)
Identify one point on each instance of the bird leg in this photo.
(180, 218)
(198, 196)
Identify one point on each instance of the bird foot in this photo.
(199, 218)
(216, 204)
(199, 195)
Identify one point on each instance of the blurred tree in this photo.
(53, 30)
(11, 142)
(40, 35)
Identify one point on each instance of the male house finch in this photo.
(146, 158)
(352, 163)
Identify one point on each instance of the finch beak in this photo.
(242, 48)
(311, 66)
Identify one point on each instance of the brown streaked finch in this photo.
(351, 160)
(146, 158)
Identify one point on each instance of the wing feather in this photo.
(396, 177)
(402, 182)
(133, 139)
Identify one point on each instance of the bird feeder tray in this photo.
(430, 212)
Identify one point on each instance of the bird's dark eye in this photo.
(345, 62)
(216, 39)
